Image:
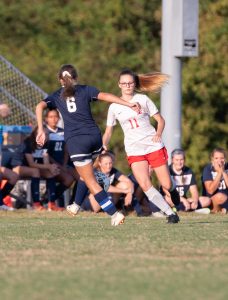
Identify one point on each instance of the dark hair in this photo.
(69, 75)
(50, 110)
(31, 139)
(177, 151)
(146, 82)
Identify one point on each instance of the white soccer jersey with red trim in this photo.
(138, 131)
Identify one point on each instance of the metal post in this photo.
(171, 93)
(179, 39)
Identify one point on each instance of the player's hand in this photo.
(135, 106)
(105, 149)
(186, 204)
(219, 167)
(156, 138)
(128, 199)
(40, 138)
(55, 170)
(194, 205)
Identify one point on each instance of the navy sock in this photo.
(105, 203)
(35, 189)
(6, 189)
(50, 183)
(60, 189)
(81, 192)
(175, 196)
(135, 204)
(73, 193)
(1, 198)
(153, 207)
(61, 201)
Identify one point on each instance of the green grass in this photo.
(54, 256)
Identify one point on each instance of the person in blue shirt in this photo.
(81, 133)
(37, 157)
(215, 180)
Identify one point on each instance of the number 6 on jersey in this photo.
(71, 105)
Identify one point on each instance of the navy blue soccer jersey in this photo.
(184, 180)
(37, 154)
(209, 174)
(114, 176)
(76, 111)
(56, 144)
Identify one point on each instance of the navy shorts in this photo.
(83, 149)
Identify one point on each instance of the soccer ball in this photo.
(102, 179)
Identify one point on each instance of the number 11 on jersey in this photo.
(134, 123)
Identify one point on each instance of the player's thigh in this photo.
(163, 176)
(9, 175)
(24, 171)
(86, 172)
(140, 171)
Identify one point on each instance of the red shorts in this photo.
(155, 159)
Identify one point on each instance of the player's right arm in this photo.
(40, 139)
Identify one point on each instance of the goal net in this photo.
(20, 93)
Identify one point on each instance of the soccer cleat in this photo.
(172, 219)
(117, 219)
(6, 208)
(175, 197)
(73, 209)
(158, 214)
(53, 207)
(37, 206)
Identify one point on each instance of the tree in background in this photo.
(205, 93)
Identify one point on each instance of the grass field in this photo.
(50, 255)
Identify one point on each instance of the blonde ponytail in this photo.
(151, 82)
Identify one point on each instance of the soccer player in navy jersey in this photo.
(81, 133)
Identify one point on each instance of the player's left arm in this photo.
(160, 127)
(107, 136)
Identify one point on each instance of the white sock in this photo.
(155, 197)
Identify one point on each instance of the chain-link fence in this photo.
(20, 93)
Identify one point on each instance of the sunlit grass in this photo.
(53, 256)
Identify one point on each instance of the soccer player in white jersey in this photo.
(143, 143)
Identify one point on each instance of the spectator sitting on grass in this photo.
(215, 181)
(185, 182)
(120, 184)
